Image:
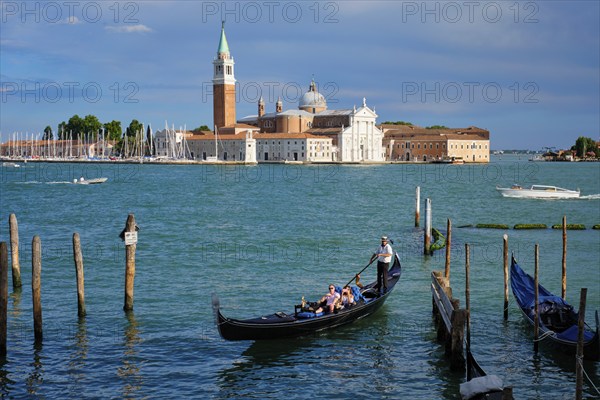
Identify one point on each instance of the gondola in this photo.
(479, 385)
(299, 323)
(558, 319)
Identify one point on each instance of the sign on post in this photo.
(130, 238)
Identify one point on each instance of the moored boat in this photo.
(299, 323)
(557, 318)
(538, 192)
(479, 385)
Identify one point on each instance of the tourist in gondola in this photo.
(347, 298)
(329, 301)
(384, 256)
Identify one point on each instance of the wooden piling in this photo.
(468, 291)
(579, 357)
(417, 206)
(564, 258)
(14, 250)
(36, 283)
(427, 232)
(457, 358)
(536, 312)
(3, 298)
(129, 265)
(505, 237)
(448, 245)
(78, 259)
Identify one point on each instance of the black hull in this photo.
(474, 370)
(591, 347)
(282, 325)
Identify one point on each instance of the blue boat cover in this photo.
(523, 285)
(308, 314)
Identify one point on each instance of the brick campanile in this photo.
(223, 85)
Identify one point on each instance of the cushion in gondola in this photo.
(306, 315)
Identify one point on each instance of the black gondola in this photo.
(280, 325)
(557, 320)
(480, 386)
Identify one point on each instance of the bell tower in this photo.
(223, 84)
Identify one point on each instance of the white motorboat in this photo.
(93, 181)
(539, 192)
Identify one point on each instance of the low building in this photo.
(414, 143)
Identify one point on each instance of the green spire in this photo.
(223, 46)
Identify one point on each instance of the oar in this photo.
(361, 271)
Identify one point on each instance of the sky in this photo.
(527, 71)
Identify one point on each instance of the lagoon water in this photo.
(261, 237)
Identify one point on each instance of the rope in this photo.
(544, 336)
(580, 361)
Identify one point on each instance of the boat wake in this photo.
(590, 197)
(44, 183)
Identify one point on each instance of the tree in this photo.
(62, 131)
(584, 145)
(91, 126)
(74, 126)
(113, 130)
(134, 128)
(397, 123)
(48, 133)
(436, 127)
(201, 128)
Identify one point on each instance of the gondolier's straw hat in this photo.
(384, 238)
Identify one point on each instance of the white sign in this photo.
(130, 238)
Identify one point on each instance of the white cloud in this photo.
(140, 28)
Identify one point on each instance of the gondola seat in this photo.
(308, 314)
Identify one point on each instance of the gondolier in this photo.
(384, 256)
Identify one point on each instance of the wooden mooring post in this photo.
(78, 259)
(468, 291)
(130, 246)
(448, 245)
(564, 258)
(427, 232)
(14, 250)
(36, 287)
(417, 206)
(3, 298)
(505, 237)
(536, 317)
(579, 357)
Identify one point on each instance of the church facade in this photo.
(314, 133)
(310, 133)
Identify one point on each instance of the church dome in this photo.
(312, 101)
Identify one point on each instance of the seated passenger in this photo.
(347, 297)
(328, 301)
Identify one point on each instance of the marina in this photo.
(203, 229)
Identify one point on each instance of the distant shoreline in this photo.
(198, 162)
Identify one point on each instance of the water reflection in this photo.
(78, 358)
(129, 372)
(35, 379)
(5, 381)
(15, 296)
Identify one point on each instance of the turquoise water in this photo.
(261, 237)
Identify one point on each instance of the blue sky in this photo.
(527, 71)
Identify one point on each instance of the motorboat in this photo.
(538, 192)
(93, 181)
